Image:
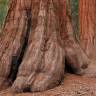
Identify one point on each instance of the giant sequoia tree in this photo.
(37, 39)
(87, 14)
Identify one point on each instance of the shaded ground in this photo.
(72, 86)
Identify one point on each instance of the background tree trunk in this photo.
(87, 14)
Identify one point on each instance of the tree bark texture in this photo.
(74, 55)
(43, 64)
(37, 39)
(87, 14)
(40, 39)
(12, 39)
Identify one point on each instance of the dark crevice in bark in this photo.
(68, 68)
(16, 61)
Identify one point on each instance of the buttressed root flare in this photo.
(33, 46)
(43, 64)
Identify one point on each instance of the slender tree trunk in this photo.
(87, 14)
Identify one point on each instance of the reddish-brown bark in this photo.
(49, 33)
(43, 65)
(87, 14)
(12, 40)
(40, 40)
(74, 55)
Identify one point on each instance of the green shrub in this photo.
(3, 10)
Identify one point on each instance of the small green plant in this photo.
(3, 10)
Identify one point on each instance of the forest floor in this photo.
(72, 86)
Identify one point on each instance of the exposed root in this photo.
(91, 70)
(74, 55)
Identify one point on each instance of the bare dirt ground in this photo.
(72, 86)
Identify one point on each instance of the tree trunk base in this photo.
(36, 56)
(42, 67)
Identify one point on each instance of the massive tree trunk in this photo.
(87, 14)
(43, 64)
(41, 31)
(12, 40)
